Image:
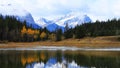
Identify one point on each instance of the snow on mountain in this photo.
(18, 12)
(50, 25)
(42, 22)
(73, 19)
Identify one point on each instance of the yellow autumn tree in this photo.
(30, 31)
(36, 33)
(43, 35)
(24, 30)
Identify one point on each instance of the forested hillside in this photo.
(13, 30)
(103, 28)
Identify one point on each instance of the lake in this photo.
(59, 59)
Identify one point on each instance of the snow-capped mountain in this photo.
(18, 12)
(72, 19)
(42, 22)
(49, 24)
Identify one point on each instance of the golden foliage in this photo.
(29, 59)
(30, 31)
(24, 30)
(43, 35)
(36, 31)
(23, 61)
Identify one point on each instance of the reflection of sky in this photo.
(52, 63)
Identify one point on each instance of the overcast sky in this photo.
(95, 9)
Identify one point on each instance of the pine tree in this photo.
(59, 35)
(79, 32)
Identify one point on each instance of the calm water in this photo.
(59, 59)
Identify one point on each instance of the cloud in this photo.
(96, 9)
(106, 9)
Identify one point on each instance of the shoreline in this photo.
(67, 44)
(62, 48)
(97, 42)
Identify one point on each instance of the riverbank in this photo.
(96, 42)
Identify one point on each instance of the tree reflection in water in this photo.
(59, 59)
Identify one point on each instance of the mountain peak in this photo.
(11, 9)
(73, 19)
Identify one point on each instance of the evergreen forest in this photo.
(12, 30)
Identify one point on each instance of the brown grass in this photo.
(106, 41)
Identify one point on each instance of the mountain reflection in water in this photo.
(52, 63)
(59, 59)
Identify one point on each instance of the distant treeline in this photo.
(94, 29)
(16, 31)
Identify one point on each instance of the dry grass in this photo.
(106, 41)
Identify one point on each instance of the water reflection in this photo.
(59, 59)
(54, 65)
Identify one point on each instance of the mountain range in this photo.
(18, 12)
(71, 19)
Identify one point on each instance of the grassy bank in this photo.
(94, 42)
